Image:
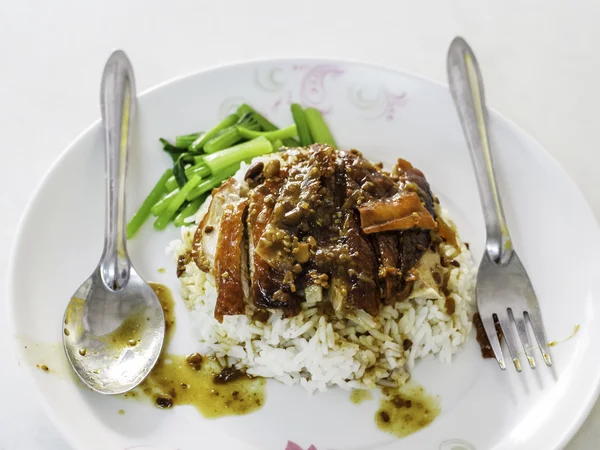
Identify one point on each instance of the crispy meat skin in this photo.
(366, 178)
(204, 247)
(414, 242)
(229, 262)
(303, 210)
(376, 195)
(354, 274)
(445, 232)
(401, 212)
(267, 284)
(411, 177)
(363, 292)
(389, 256)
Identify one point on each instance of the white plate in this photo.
(387, 115)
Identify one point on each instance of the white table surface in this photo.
(539, 58)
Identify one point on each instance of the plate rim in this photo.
(11, 272)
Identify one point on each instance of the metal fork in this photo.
(504, 291)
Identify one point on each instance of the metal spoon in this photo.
(114, 325)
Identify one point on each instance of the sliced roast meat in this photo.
(353, 264)
(401, 212)
(297, 210)
(367, 179)
(268, 286)
(386, 245)
(446, 232)
(320, 223)
(231, 262)
(412, 245)
(204, 247)
(362, 268)
(354, 279)
(282, 250)
(413, 179)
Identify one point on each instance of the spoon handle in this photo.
(117, 101)
(466, 85)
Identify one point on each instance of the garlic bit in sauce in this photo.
(174, 382)
(197, 380)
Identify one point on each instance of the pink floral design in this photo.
(293, 446)
(376, 100)
(313, 91)
(392, 101)
(284, 100)
(379, 103)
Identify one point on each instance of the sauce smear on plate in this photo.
(359, 396)
(190, 380)
(406, 410)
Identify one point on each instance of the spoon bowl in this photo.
(114, 324)
(113, 338)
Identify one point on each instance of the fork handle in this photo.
(466, 86)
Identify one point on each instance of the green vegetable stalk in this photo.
(264, 123)
(241, 152)
(162, 204)
(215, 181)
(201, 170)
(186, 140)
(153, 197)
(174, 152)
(189, 210)
(231, 135)
(282, 133)
(318, 128)
(175, 203)
(227, 122)
(301, 125)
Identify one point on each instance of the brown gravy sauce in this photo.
(179, 380)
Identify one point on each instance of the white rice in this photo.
(357, 352)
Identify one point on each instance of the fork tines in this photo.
(506, 298)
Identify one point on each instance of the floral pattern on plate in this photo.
(316, 85)
(293, 446)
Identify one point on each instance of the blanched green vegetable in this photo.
(174, 152)
(318, 129)
(282, 133)
(202, 161)
(264, 123)
(201, 170)
(215, 181)
(241, 152)
(190, 209)
(153, 197)
(227, 122)
(231, 136)
(179, 172)
(186, 140)
(162, 204)
(175, 203)
(301, 125)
